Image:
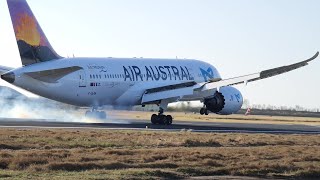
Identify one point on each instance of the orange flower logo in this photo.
(27, 30)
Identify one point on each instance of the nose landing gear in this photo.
(95, 114)
(204, 111)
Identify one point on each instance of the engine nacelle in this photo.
(227, 101)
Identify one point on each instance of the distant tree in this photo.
(299, 108)
(246, 104)
(276, 108)
(259, 106)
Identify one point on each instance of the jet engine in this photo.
(225, 102)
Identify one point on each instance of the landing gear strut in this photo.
(95, 114)
(161, 118)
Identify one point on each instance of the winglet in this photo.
(283, 69)
(313, 57)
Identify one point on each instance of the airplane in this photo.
(121, 82)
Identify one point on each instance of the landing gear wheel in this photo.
(206, 112)
(154, 119)
(202, 111)
(169, 119)
(161, 119)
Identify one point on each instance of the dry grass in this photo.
(179, 116)
(100, 154)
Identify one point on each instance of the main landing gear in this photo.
(95, 114)
(161, 118)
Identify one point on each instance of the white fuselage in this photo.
(114, 81)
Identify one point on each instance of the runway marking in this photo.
(173, 130)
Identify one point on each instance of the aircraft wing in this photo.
(4, 69)
(257, 76)
(177, 91)
(52, 75)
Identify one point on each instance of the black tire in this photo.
(154, 119)
(202, 111)
(169, 119)
(206, 112)
(162, 119)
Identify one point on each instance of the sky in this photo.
(237, 37)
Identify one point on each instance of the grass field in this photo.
(107, 154)
(179, 116)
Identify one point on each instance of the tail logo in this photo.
(32, 37)
(32, 42)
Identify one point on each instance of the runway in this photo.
(217, 127)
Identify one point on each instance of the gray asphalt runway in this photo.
(177, 126)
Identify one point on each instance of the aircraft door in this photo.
(82, 78)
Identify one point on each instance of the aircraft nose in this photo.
(9, 77)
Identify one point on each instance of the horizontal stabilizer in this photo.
(52, 75)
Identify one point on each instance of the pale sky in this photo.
(238, 37)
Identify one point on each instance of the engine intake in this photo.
(227, 101)
(216, 103)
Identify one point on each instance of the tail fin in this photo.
(33, 45)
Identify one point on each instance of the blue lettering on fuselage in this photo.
(238, 97)
(207, 74)
(156, 73)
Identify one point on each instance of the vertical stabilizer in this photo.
(33, 45)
